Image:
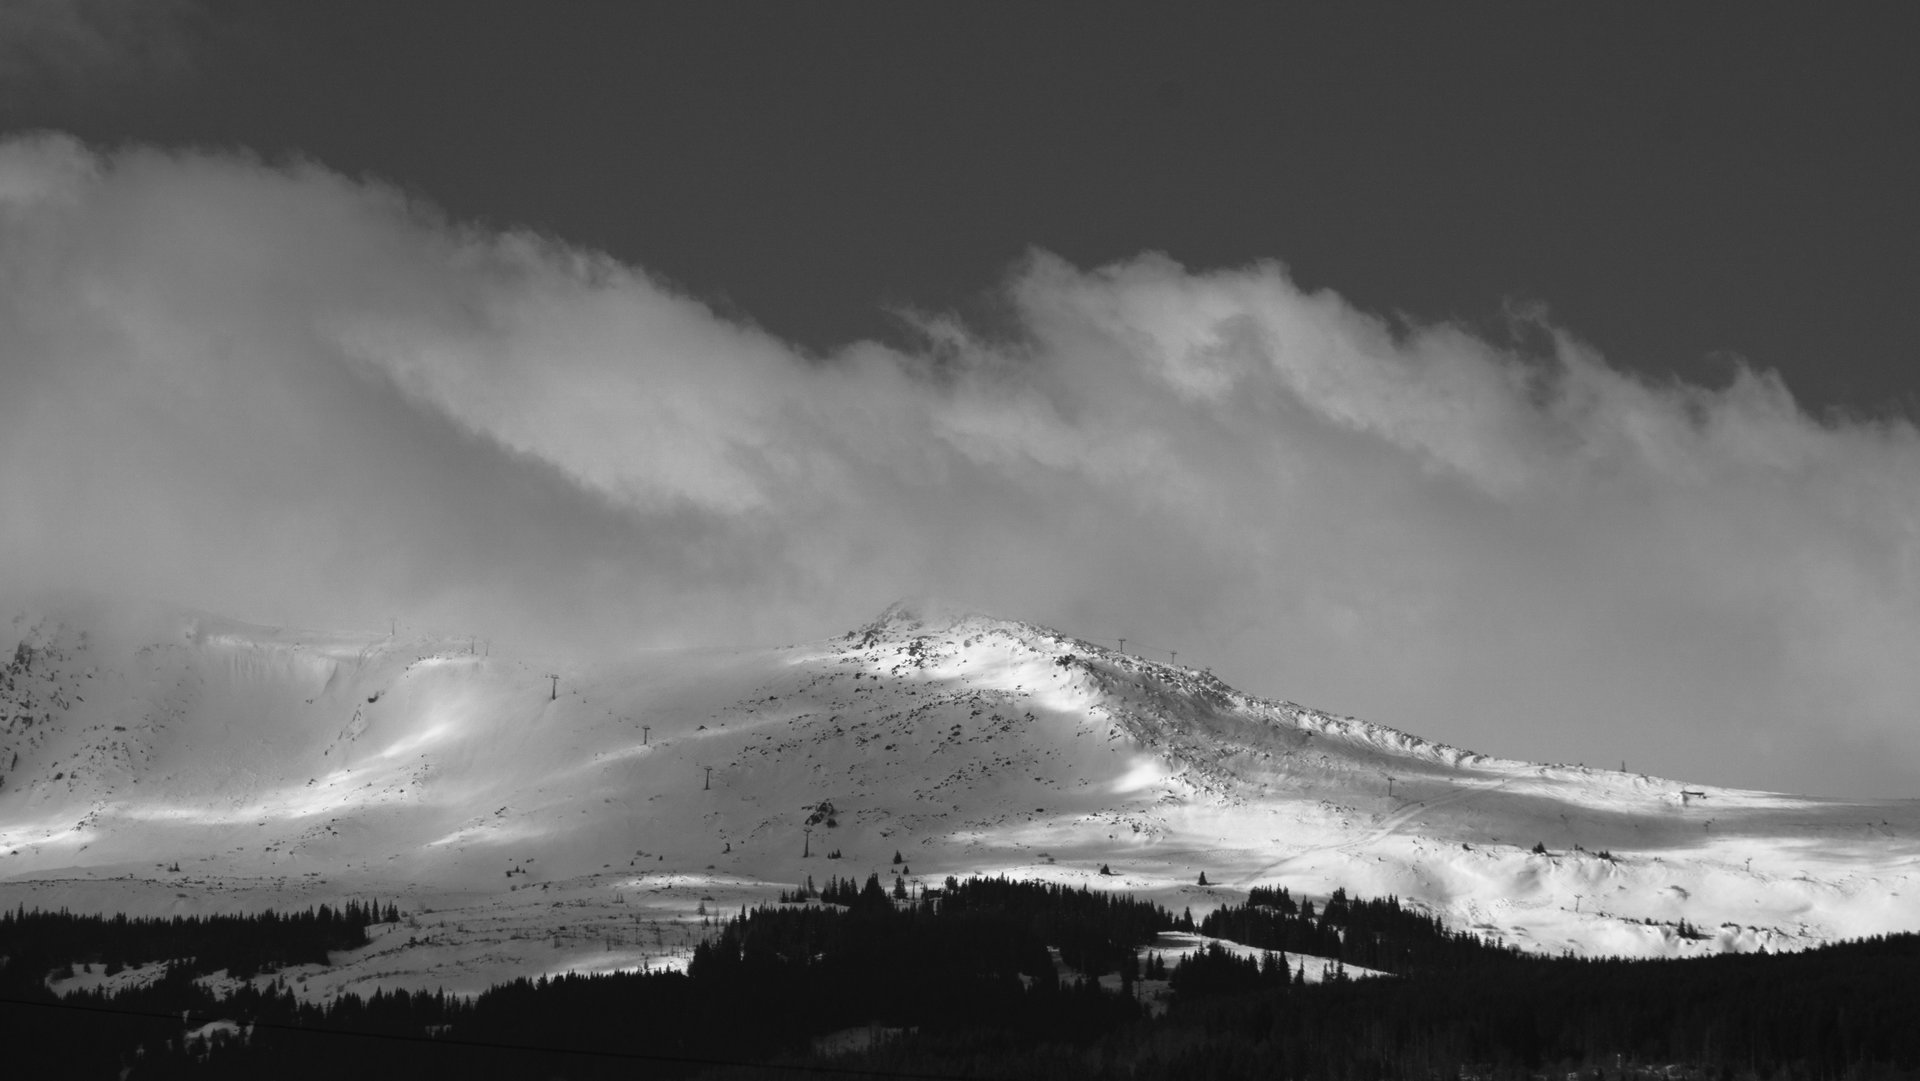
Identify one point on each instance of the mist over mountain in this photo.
(291, 393)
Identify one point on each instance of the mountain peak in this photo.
(920, 616)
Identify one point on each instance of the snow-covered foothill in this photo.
(537, 814)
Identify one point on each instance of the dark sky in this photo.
(1533, 377)
(1676, 184)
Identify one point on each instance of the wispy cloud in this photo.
(277, 392)
(85, 51)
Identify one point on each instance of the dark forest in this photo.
(984, 978)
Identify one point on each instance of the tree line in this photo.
(992, 976)
(1377, 933)
(36, 942)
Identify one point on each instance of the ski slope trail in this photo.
(1387, 827)
(542, 813)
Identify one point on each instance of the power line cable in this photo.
(1139, 651)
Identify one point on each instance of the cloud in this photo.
(88, 51)
(276, 392)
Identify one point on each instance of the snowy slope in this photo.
(282, 767)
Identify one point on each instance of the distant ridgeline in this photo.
(965, 982)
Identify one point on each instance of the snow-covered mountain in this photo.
(538, 814)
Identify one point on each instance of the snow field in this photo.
(530, 825)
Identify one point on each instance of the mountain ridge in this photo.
(272, 763)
